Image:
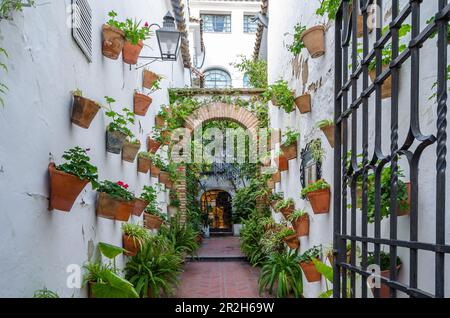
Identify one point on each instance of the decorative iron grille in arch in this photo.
(352, 105)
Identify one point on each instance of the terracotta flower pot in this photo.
(282, 163)
(301, 225)
(310, 271)
(328, 131)
(64, 189)
(131, 52)
(83, 111)
(287, 211)
(112, 208)
(130, 151)
(360, 22)
(314, 40)
(139, 206)
(276, 177)
(152, 221)
(166, 135)
(160, 122)
(143, 164)
(113, 41)
(131, 245)
(290, 152)
(153, 145)
(303, 103)
(154, 171)
(141, 103)
(384, 289)
(124, 210)
(115, 141)
(292, 241)
(320, 201)
(148, 78)
(164, 178)
(386, 87)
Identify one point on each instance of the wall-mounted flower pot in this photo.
(164, 178)
(360, 26)
(287, 211)
(139, 206)
(166, 135)
(115, 141)
(328, 131)
(282, 163)
(131, 245)
(153, 145)
(276, 177)
(386, 87)
(160, 122)
(292, 241)
(301, 225)
(131, 52)
(314, 40)
(143, 164)
(112, 208)
(152, 222)
(384, 289)
(141, 103)
(154, 171)
(290, 152)
(320, 200)
(64, 189)
(303, 103)
(130, 151)
(148, 78)
(172, 210)
(310, 271)
(113, 41)
(83, 111)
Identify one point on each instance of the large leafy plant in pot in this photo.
(289, 146)
(135, 35)
(300, 221)
(307, 264)
(281, 96)
(69, 179)
(134, 236)
(114, 201)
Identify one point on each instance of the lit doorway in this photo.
(217, 204)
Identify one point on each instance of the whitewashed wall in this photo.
(223, 48)
(316, 76)
(45, 65)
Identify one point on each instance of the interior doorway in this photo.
(218, 205)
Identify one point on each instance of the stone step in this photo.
(216, 259)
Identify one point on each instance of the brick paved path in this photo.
(219, 279)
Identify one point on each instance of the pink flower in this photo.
(125, 186)
(146, 24)
(120, 183)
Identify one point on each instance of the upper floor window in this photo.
(216, 22)
(250, 26)
(216, 78)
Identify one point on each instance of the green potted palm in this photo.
(114, 201)
(286, 207)
(307, 264)
(281, 270)
(113, 37)
(69, 179)
(289, 146)
(133, 238)
(300, 221)
(117, 131)
(289, 236)
(318, 194)
(83, 110)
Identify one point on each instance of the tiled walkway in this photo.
(219, 279)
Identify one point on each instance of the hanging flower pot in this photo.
(131, 52)
(287, 211)
(106, 206)
(276, 177)
(282, 163)
(118, 207)
(149, 78)
(386, 87)
(290, 152)
(83, 111)
(131, 245)
(303, 103)
(153, 145)
(320, 200)
(113, 41)
(328, 131)
(130, 150)
(154, 171)
(139, 206)
(314, 40)
(144, 164)
(166, 136)
(301, 225)
(141, 103)
(164, 178)
(152, 222)
(160, 122)
(115, 141)
(64, 189)
(292, 241)
(310, 271)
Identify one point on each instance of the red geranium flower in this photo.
(146, 24)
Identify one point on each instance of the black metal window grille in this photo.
(351, 102)
(220, 23)
(250, 24)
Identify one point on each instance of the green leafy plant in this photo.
(45, 293)
(255, 69)
(253, 230)
(329, 8)
(290, 137)
(318, 185)
(3, 87)
(155, 269)
(280, 93)
(116, 190)
(285, 232)
(327, 272)
(136, 232)
(296, 215)
(284, 204)
(119, 122)
(78, 164)
(324, 123)
(181, 235)
(276, 196)
(7, 7)
(297, 44)
(385, 260)
(174, 198)
(310, 254)
(282, 270)
(132, 28)
(318, 153)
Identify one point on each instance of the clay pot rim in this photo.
(141, 95)
(303, 95)
(320, 191)
(113, 28)
(319, 27)
(87, 99)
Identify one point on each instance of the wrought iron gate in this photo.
(351, 173)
